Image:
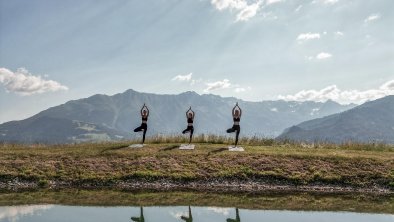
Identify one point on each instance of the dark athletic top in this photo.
(144, 120)
(189, 120)
(236, 119)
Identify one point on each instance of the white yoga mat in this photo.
(236, 149)
(136, 145)
(186, 147)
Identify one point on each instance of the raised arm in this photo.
(187, 112)
(232, 112)
(147, 111)
(240, 111)
(193, 114)
(142, 109)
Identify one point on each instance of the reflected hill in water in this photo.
(29, 213)
(352, 202)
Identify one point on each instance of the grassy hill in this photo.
(264, 165)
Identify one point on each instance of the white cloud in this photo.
(323, 55)
(326, 2)
(342, 96)
(372, 18)
(330, 2)
(245, 9)
(229, 4)
(239, 89)
(24, 83)
(338, 33)
(248, 12)
(14, 213)
(308, 36)
(320, 56)
(178, 214)
(183, 78)
(270, 2)
(217, 85)
(218, 210)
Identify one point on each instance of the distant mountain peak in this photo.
(115, 116)
(190, 93)
(370, 122)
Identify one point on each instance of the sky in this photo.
(55, 51)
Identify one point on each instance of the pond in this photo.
(59, 213)
(76, 205)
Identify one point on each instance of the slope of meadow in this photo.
(161, 166)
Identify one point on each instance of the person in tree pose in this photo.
(190, 117)
(144, 126)
(189, 218)
(237, 218)
(237, 113)
(140, 218)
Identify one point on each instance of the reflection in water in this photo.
(14, 213)
(237, 218)
(67, 213)
(188, 219)
(140, 218)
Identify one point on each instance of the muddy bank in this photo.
(212, 185)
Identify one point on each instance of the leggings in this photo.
(191, 130)
(236, 129)
(143, 128)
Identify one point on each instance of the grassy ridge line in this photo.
(229, 140)
(268, 201)
(111, 163)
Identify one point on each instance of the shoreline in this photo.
(216, 186)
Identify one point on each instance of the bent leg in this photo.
(138, 129)
(231, 130)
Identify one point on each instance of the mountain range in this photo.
(370, 122)
(102, 117)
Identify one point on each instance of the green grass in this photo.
(272, 162)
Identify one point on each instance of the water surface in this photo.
(113, 205)
(61, 213)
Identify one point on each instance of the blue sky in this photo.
(55, 51)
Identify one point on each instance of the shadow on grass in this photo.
(217, 150)
(114, 148)
(170, 148)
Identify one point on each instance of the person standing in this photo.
(144, 124)
(190, 118)
(236, 113)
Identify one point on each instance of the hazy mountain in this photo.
(372, 121)
(114, 117)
